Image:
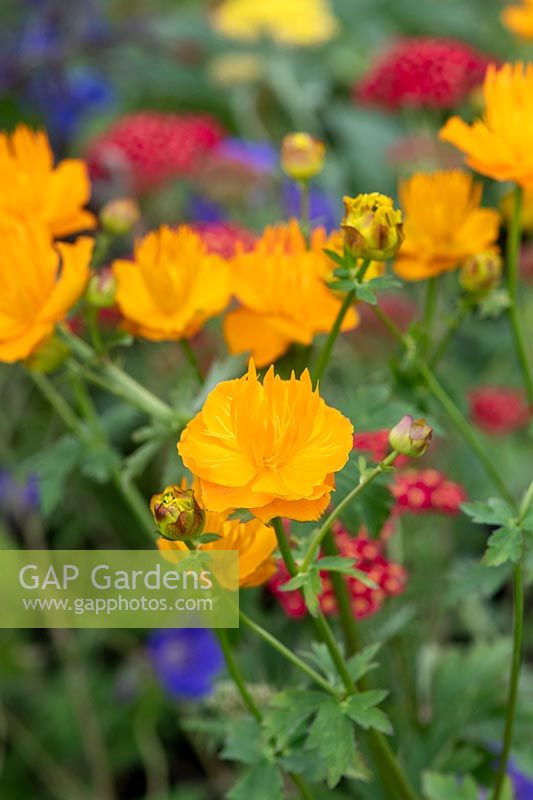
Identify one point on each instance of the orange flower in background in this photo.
(444, 224)
(254, 541)
(272, 448)
(40, 283)
(499, 144)
(32, 188)
(173, 285)
(519, 19)
(281, 286)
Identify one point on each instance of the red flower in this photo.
(419, 71)
(499, 410)
(376, 443)
(368, 557)
(222, 238)
(146, 148)
(417, 491)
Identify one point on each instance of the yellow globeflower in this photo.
(444, 224)
(499, 144)
(281, 287)
(32, 188)
(272, 448)
(173, 285)
(291, 22)
(519, 19)
(40, 283)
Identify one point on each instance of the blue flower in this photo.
(323, 210)
(186, 661)
(522, 784)
(260, 157)
(18, 499)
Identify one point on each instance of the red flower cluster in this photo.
(223, 238)
(418, 491)
(423, 72)
(146, 148)
(368, 557)
(376, 443)
(499, 410)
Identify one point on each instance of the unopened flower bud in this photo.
(411, 437)
(49, 355)
(119, 216)
(372, 226)
(302, 156)
(481, 272)
(177, 514)
(102, 289)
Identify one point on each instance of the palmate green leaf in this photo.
(245, 742)
(449, 787)
(504, 545)
(363, 662)
(494, 512)
(262, 782)
(346, 567)
(360, 708)
(332, 735)
(288, 711)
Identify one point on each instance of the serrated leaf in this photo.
(363, 662)
(338, 259)
(345, 566)
(311, 594)
(494, 512)
(365, 293)
(263, 782)
(295, 583)
(244, 742)
(449, 787)
(288, 711)
(361, 709)
(505, 544)
(344, 285)
(331, 733)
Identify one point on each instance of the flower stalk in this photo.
(513, 258)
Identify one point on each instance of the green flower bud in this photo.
(177, 514)
(482, 272)
(411, 437)
(372, 226)
(102, 289)
(119, 216)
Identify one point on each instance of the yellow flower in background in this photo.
(302, 156)
(231, 69)
(281, 286)
(254, 541)
(500, 144)
(444, 224)
(519, 19)
(32, 188)
(290, 22)
(270, 447)
(173, 285)
(39, 282)
(507, 207)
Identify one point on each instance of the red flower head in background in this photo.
(499, 410)
(419, 491)
(222, 238)
(146, 148)
(368, 557)
(422, 72)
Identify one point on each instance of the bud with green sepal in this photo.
(302, 156)
(372, 227)
(177, 514)
(481, 273)
(411, 437)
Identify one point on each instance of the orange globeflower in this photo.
(254, 541)
(272, 448)
(519, 19)
(281, 286)
(31, 188)
(444, 224)
(173, 285)
(40, 283)
(499, 145)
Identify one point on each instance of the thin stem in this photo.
(451, 409)
(326, 525)
(455, 323)
(288, 654)
(429, 310)
(516, 663)
(513, 254)
(190, 355)
(325, 353)
(58, 403)
(342, 596)
(237, 675)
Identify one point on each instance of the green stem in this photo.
(513, 257)
(325, 353)
(389, 769)
(342, 596)
(516, 663)
(190, 355)
(455, 323)
(429, 310)
(330, 519)
(58, 403)
(451, 409)
(121, 383)
(288, 654)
